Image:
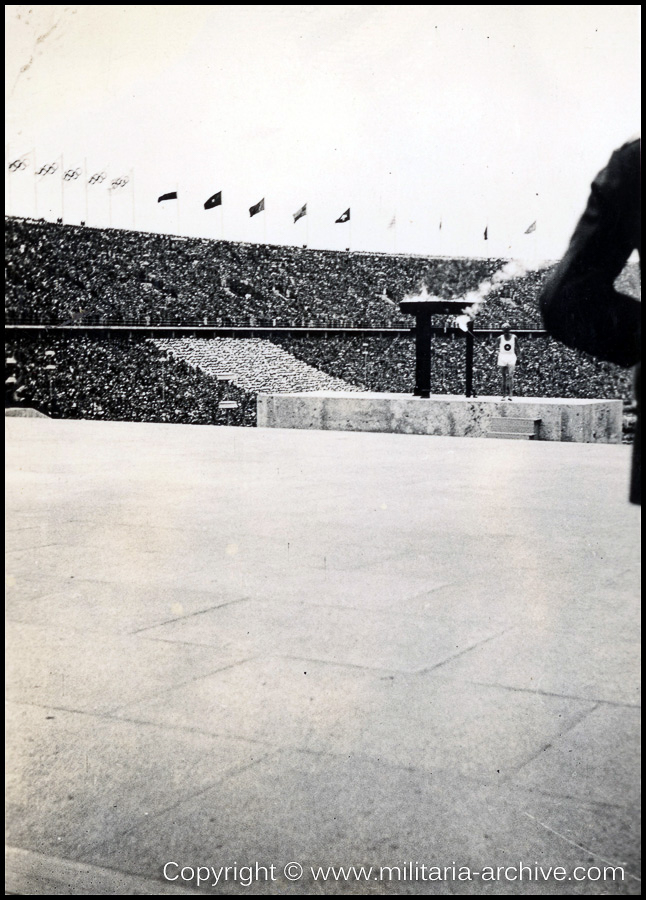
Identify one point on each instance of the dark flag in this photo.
(300, 213)
(259, 207)
(486, 233)
(344, 217)
(531, 228)
(171, 196)
(215, 200)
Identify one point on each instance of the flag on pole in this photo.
(172, 195)
(393, 222)
(17, 165)
(47, 169)
(300, 213)
(259, 207)
(97, 178)
(72, 174)
(344, 217)
(486, 233)
(531, 228)
(117, 183)
(215, 200)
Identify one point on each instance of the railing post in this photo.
(423, 353)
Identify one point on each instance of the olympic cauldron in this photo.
(424, 308)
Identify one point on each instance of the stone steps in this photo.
(511, 435)
(514, 428)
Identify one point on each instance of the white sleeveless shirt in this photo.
(507, 350)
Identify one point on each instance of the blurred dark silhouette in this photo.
(581, 306)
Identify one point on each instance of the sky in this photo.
(472, 117)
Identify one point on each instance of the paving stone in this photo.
(409, 720)
(444, 663)
(388, 820)
(103, 776)
(384, 640)
(596, 760)
(576, 663)
(96, 672)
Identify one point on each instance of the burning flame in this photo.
(515, 268)
(425, 296)
(473, 300)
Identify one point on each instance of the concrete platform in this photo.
(587, 421)
(230, 647)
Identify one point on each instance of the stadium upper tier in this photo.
(67, 274)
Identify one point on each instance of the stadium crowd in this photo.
(58, 274)
(118, 379)
(545, 367)
(256, 364)
(154, 381)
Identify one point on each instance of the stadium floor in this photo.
(239, 646)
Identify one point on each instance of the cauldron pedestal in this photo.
(424, 310)
(555, 418)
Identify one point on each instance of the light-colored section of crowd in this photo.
(258, 365)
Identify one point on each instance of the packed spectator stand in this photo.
(254, 364)
(82, 377)
(72, 278)
(59, 274)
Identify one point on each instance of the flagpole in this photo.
(62, 189)
(87, 216)
(35, 186)
(221, 221)
(110, 205)
(8, 173)
(264, 224)
(177, 192)
(132, 182)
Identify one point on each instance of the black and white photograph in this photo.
(322, 450)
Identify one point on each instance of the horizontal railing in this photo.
(253, 330)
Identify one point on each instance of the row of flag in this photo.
(71, 174)
(213, 201)
(216, 200)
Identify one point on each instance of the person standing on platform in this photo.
(581, 306)
(507, 358)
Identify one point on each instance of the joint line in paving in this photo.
(188, 798)
(199, 612)
(115, 709)
(566, 730)
(466, 650)
(541, 693)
